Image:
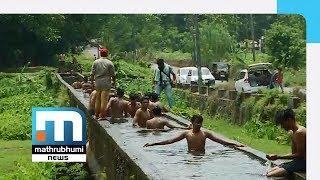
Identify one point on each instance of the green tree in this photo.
(215, 42)
(285, 42)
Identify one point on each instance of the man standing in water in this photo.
(196, 138)
(142, 114)
(118, 106)
(133, 105)
(158, 123)
(154, 102)
(162, 80)
(103, 71)
(286, 119)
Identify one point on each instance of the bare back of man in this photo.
(92, 99)
(118, 107)
(159, 123)
(155, 123)
(132, 108)
(299, 140)
(152, 105)
(141, 117)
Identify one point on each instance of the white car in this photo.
(255, 77)
(189, 75)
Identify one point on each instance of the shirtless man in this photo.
(92, 102)
(118, 106)
(154, 98)
(196, 138)
(142, 114)
(133, 105)
(286, 119)
(77, 85)
(158, 123)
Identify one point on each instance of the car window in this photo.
(184, 71)
(189, 73)
(241, 75)
(221, 66)
(195, 72)
(205, 71)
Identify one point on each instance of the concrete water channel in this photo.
(117, 150)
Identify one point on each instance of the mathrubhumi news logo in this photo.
(58, 135)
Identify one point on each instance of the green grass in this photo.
(176, 55)
(11, 152)
(295, 78)
(239, 134)
(18, 94)
(247, 58)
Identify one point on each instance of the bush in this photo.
(65, 171)
(18, 98)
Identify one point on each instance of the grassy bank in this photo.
(9, 151)
(19, 92)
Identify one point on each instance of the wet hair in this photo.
(133, 96)
(197, 117)
(85, 78)
(284, 115)
(157, 111)
(145, 98)
(147, 94)
(120, 92)
(154, 96)
(111, 96)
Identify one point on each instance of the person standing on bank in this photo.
(103, 72)
(279, 79)
(162, 80)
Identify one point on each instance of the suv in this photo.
(255, 77)
(220, 70)
(189, 75)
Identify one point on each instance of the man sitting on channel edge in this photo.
(286, 119)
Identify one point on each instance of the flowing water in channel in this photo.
(174, 162)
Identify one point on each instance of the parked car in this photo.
(189, 75)
(255, 77)
(183, 74)
(220, 70)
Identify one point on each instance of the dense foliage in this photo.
(286, 42)
(39, 38)
(19, 92)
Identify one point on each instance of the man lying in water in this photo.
(158, 123)
(142, 114)
(196, 138)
